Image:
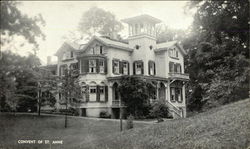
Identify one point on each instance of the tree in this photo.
(13, 23)
(218, 54)
(165, 34)
(97, 20)
(70, 89)
(135, 93)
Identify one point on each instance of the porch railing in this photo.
(175, 109)
(179, 75)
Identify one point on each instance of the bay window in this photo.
(101, 66)
(92, 66)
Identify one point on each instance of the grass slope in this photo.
(80, 131)
(227, 127)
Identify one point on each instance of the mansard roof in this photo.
(166, 45)
(109, 43)
(142, 18)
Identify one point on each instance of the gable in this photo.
(65, 48)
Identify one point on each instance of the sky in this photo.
(61, 17)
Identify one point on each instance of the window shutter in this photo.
(142, 68)
(120, 67)
(113, 66)
(106, 93)
(87, 93)
(98, 93)
(154, 69)
(128, 68)
(149, 67)
(134, 68)
(97, 66)
(105, 66)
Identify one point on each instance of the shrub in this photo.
(104, 114)
(130, 124)
(70, 111)
(159, 110)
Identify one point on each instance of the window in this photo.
(171, 67)
(92, 89)
(176, 94)
(125, 68)
(178, 68)
(174, 67)
(172, 91)
(151, 68)
(71, 54)
(101, 66)
(142, 29)
(62, 70)
(116, 66)
(83, 91)
(173, 53)
(101, 89)
(101, 50)
(92, 66)
(138, 67)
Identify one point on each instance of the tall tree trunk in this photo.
(66, 117)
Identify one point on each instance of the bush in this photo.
(105, 114)
(130, 124)
(159, 110)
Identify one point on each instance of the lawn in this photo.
(79, 132)
(226, 127)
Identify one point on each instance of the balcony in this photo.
(118, 103)
(178, 76)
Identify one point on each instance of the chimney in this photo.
(48, 60)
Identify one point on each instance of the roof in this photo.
(109, 42)
(143, 17)
(71, 45)
(166, 45)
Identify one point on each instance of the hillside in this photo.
(224, 127)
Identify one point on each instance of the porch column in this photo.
(157, 90)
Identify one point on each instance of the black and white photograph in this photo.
(125, 74)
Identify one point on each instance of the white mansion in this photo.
(102, 62)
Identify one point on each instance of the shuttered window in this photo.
(116, 69)
(92, 66)
(138, 68)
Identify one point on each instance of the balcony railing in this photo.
(177, 75)
(117, 103)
